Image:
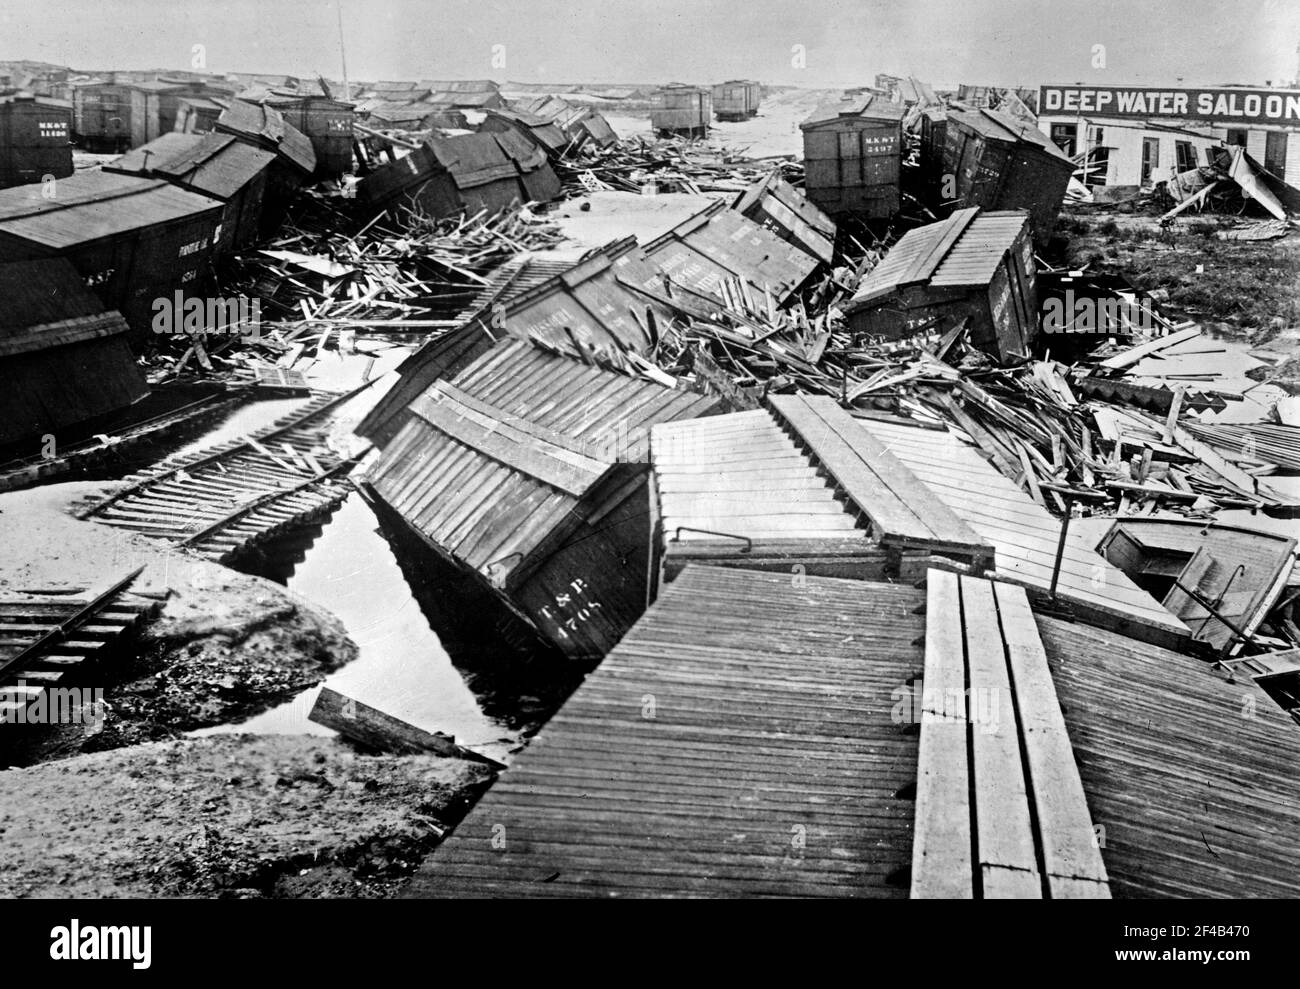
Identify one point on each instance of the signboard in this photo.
(1219, 106)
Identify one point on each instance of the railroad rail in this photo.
(48, 638)
(218, 502)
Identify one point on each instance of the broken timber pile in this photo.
(220, 501)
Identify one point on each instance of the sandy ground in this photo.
(224, 646)
(226, 816)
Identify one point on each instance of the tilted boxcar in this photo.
(295, 160)
(736, 99)
(581, 124)
(682, 110)
(133, 240)
(328, 125)
(546, 134)
(973, 266)
(529, 471)
(216, 165)
(999, 162)
(776, 205)
(64, 358)
(35, 139)
(111, 116)
(852, 156)
(468, 172)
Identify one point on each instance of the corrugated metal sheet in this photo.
(718, 243)
(740, 712)
(524, 471)
(1025, 535)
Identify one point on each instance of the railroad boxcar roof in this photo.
(266, 127)
(524, 434)
(93, 205)
(218, 165)
(873, 109)
(997, 126)
(48, 304)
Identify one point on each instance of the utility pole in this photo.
(343, 58)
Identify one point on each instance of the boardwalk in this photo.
(739, 741)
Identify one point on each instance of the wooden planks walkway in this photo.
(1025, 534)
(741, 740)
(1000, 807)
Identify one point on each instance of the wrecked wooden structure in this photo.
(546, 134)
(218, 166)
(717, 246)
(466, 173)
(853, 157)
(527, 470)
(64, 358)
(35, 139)
(736, 99)
(133, 240)
(998, 162)
(744, 703)
(265, 127)
(1219, 580)
(581, 124)
(797, 488)
(974, 268)
(1026, 537)
(326, 122)
(683, 110)
(776, 205)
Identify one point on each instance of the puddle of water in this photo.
(402, 667)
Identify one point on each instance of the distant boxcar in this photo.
(110, 116)
(999, 162)
(736, 99)
(35, 139)
(682, 110)
(852, 157)
(328, 125)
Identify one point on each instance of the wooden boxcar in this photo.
(63, 357)
(198, 114)
(216, 165)
(852, 157)
(776, 205)
(683, 110)
(465, 173)
(718, 245)
(529, 472)
(736, 99)
(581, 124)
(973, 266)
(328, 125)
(110, 116)
(295, 159)
(999, 162)
(35, 139)
(133, 240)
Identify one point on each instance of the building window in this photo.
(1235, 135)
(1275, 152)
(1150, 158)
(1186, 155)
(1065, 137)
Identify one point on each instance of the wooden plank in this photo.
(1071, 851)
(382, 731)
(941, 844)
(1134, 354)
(1004, 835)
(554, 465)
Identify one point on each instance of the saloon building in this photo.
(1138, 136)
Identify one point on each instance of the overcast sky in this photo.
(844, 42)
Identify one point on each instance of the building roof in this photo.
(218, 165)
(94, 205)
(963, 250)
